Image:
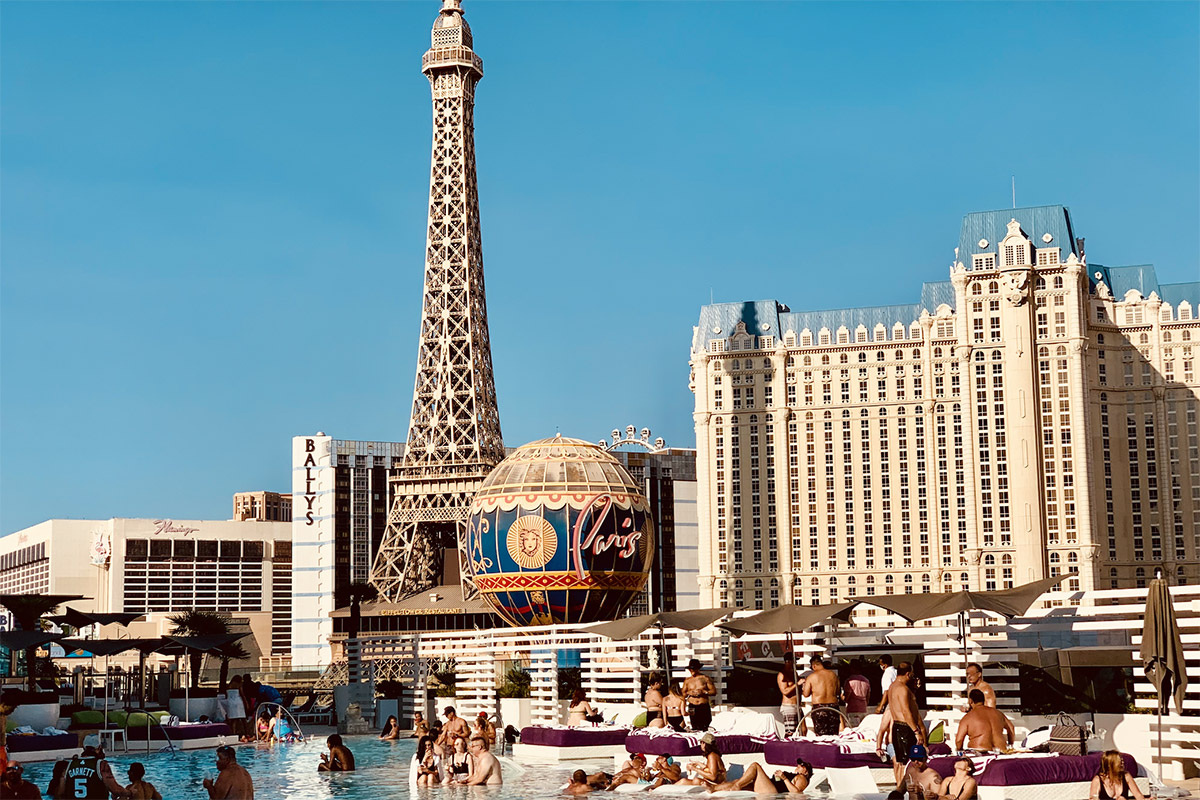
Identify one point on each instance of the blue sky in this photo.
(212, 220)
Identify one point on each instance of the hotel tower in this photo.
(1032, 416)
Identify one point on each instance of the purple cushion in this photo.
(1035, 771)
(32, 743)
(682, 745)
(573, 737)
(828, 754)
(178, 733)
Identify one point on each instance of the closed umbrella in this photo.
(1162, 652)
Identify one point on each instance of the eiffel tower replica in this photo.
(454, 435)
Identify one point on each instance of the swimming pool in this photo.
(290, 771)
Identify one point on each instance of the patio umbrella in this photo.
(1162, 652)
(213, 643)
(81, 619)
(1006, 602)
(694, 620)
(789, 618)
(106, 648)
(26, 610)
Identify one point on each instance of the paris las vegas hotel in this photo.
(1035, 415)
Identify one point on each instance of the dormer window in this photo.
(983, 261)
(1047, 256)
(1015, 247)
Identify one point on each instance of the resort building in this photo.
(262, 507)
(1032, 416)
(159, 567)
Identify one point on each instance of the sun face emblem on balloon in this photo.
(532, 542)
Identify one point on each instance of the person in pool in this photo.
(1112, 781)
(579, 784)
(391, 729)
(458, 765)
(486, 769)
(281, 728)
(711, 771)
(139, 788)
(233, 781)
(339, 759)
(428, 763)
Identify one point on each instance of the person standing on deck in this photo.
(785, 679)
(699, 691)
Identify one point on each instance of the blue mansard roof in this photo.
(1036, 222)
(1144, 279)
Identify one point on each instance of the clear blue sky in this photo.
(213, 214)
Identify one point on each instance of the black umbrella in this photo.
(26, 610)
(81, 619)
(628, 628)
(1162, 652)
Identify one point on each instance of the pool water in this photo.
(290, 771)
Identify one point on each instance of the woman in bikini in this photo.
(458, 767)
(961, 785)
(428, 763)
(758, 780)
(391, 729)
(711, 771)
(1112, 781)
(653, 702)
(581, 711)
(673, 706)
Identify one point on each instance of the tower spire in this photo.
(454, 433)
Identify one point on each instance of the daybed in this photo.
(739, 734)
(1035, 776)
(185, 735)
(40, 747)
(560, 743)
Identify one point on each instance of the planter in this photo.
(515, 711)
(192, 708)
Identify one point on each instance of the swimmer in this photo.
(233, 781)
(139, 788)
(391, 729)
(486, 768)
(339, 759)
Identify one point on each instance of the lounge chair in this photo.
(317, 714)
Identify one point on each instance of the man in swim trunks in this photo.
(785, 679)
(983, 728)
(487, 767)
(825, 690)
(907, 729)
(975, 681)
(699, 690)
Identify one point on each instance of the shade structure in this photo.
(1007, 602)
(22, 640)
(109, 647)
(81, 619)
(1162, 648)
(214, 643)
(685, 620)
(30, 607)
(789, 618)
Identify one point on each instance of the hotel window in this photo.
(982, 261)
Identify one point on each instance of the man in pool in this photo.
(89, 775)
(487, 767)
(579, 784)
(233, 781)
(455, 727)
(339, 758)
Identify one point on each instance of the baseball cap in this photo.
(918, 753)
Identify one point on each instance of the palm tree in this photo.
(207, 623)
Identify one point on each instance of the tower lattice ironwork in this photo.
(454, 435)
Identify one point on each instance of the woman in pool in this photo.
(459, 765)
(711, 771)
(673, 706)
(264, 727)
(1112, 781)
(581, 711)
(758, 780)
(281, 728)
(429, 764)
(653, 702)
(961, 785)
(391, 729)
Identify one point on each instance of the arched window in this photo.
(862, 358)
(979, 356)
(845, 357)
(1058, 282)
(994, 288)
(976, 288)
(1054, 558)
(808, 361)
(1040, 283)
(989, 559)
(1006, 559)
(888, 579)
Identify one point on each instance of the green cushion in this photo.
(640, 720)
(118, 718)
(88, 718)
(137, 720)
(159, 715)
(938, 734)
(10, 726)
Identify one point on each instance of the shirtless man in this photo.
(975, 681)
(233, 782)
(487, 767)
(665, 771)
(634, 770)
(824, 689)
(907, 729)
(785, 679)
(455, 727)
(920, 781)
(983, 728)
(579, 784)
(698, 690)
(339, 758)
(653, 702)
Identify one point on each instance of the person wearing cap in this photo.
(666, 771)
(635, 770)
(89, 775)
(920, 782)
(698, 690)
(12, 784)
(487, 729)
(233, 782)
(455, 726)
(711, 771)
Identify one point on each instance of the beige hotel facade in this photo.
(1032, 416)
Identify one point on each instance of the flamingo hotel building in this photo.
(1034, 415)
